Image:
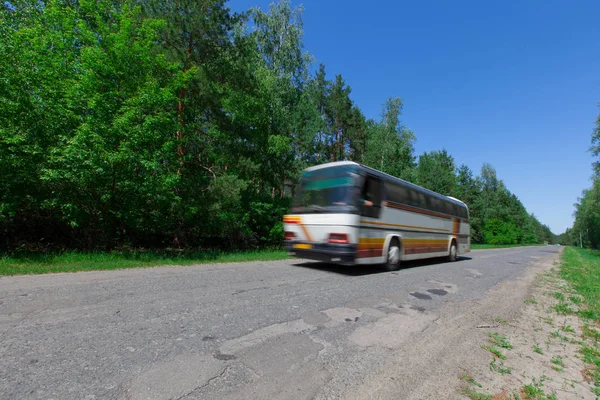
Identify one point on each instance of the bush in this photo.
(499, 232)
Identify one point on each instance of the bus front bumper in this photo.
(344, 254)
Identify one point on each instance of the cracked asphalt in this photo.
(276, 330)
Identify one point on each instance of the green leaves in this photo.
(595, 149)
(389, 145)
(586, 228)
(500, 232)
(164, 123)
(436, 171)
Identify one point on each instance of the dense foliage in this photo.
(586, 229)
(179, 123)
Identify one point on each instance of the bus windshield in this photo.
(331, 190)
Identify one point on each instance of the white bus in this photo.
(346, 213)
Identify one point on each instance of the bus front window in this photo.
(327, 190)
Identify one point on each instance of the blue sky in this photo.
(515, 84)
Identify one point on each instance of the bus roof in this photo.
(331, 164)
(387, 177)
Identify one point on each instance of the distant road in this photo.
(272, 330)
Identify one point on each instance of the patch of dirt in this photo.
(544, 357)
(447, 361)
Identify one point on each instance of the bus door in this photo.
(371, 197)
(371, 239)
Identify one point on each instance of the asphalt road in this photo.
(272, 330)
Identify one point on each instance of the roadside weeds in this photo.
(73, 261)
(551, 351)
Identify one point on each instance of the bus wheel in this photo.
(453, 252)
(393, 256)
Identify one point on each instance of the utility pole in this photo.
(580, 240)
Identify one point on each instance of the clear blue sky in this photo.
(515, 84)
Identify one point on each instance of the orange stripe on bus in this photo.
(296, 219)
(421, 250)
(370, 243)
(456, 226)
(369, 246)
(371, 240)
(291, 219)
(303, 227)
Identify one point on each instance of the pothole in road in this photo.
(445, 286)
(439, 292)
(224, 357)
(421, 296)
(391, 331)
(342, 314)
(315, 318)
(473, 272)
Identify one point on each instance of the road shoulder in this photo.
(455, 357)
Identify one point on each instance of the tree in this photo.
(595, 149)
(339, 112)
(179, 123)
(586, 228)
(587, 217)
(113, 170)
(436, 171)
(389, 144)
(500, 232)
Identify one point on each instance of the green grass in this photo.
(537, 349)
(37, 263)
(535, 391)
(532, 300)
(469, 379)
(499, 367)
(475, 395)
(581, 269)
(563, 308)
(568, 328)
(575, 300)
(500, 246)
(557, 360)
(558, 296)
(557, 335)
(495, 352)
(500, 341)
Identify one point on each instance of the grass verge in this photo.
(37, 263)
(551, 325)
(581, 269)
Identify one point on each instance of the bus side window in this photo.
(449, 209)
(436, 205)
(397, 194)
(414, 198)
(457, 210)
(370, 197)
(463, 213)
(423, 203)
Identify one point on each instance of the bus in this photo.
(347, 213)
